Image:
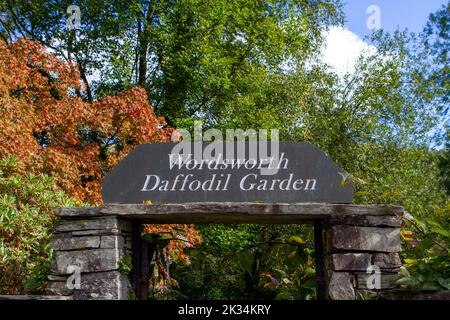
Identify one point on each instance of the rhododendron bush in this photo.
(47, 125)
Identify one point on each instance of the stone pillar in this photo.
(91, 258)
(361, 256)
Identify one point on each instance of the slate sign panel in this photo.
(300, 173)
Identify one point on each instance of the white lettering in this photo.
(147, 180)
(313, 181)
(243, 180)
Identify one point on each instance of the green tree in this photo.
(436, 40)
(194, 57)
(379, 123)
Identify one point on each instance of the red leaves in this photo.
(54, 131)
(182, 236)
(272, 281)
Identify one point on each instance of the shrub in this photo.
(426, 254)
(27, 204)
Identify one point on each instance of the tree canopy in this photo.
(193, 56)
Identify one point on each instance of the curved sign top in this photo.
(251, 171)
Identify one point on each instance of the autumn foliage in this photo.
(47, 125)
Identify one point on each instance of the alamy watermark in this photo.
(251, 147)
(373, 22)
(74, 280)
(73, 21)
(374, 280)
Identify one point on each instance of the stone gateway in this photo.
(356, 246)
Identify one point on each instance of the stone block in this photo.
(58, 288)
(88, 260)
(104, 232)
(387, 260)
(365, 221)
(74, 243)
(351, 261)
(68, 212)
(387, 281)
(340, 286)
(95, 223)
(352, 238)
(110, 285)
(110, 242)
(28, 297)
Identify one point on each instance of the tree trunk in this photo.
(143, 34)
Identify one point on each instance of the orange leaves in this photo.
(54, 131)
(182, 233)
(181, 236)
(272, 281)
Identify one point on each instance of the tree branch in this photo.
(22, 29)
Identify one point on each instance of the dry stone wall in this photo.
(88, 258)
(362, 255)
(93, 249)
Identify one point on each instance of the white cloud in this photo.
(342, 48)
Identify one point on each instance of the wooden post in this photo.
(141, 263)
(319, 260)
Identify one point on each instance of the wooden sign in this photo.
(223, 172)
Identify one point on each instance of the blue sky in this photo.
(344, 45)
(411, 14)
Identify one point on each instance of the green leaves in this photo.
(296, 240)
(408, 281)
(27, 204)
(426, 256)
(125, 264)
(445, 283)
(246, 260)
(440, 231)
(196, 56)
